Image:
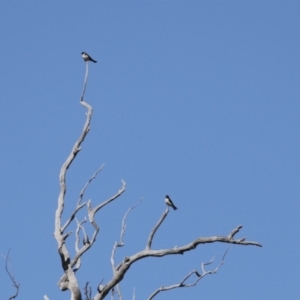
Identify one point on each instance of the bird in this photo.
(86, 57)
(169, 202)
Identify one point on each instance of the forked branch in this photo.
(69, 281)
(121, 244)
(199, 276)
(87, 184)
(123, 267)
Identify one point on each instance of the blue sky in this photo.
(195, 99)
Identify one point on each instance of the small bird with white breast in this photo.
(86, 57)
(169, 202)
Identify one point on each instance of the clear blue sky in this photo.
(195, 99)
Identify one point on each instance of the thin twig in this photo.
(85, 80)
(121, 244)
(86, 185)
(93, 211)
(124, 223)
(234, 231)
(152, 233)
(88, 291)
(11, 275)
(77, 240)
(183, 284)
(78, 207)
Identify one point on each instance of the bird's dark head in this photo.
(83, 53)
(167, 196)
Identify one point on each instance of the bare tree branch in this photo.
(234, 231)
(121, 244)
(124, 266)
(77, 240)
(88, 243)
(79, 206)
(92, 212)
(86, 185)
(183, 284)
(11, 275)
(69, 281)
(85, 80)
(153, 231)
(88, 292)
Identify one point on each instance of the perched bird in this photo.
(169, 202)
(86, 57)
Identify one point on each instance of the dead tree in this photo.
(71, 265)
